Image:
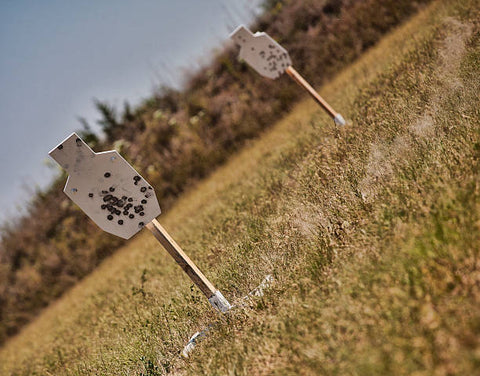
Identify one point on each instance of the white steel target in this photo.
(121, 202)
(261, 52)
(271, 60)
(106, 188)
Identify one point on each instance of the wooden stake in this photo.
(214, 296)
(302, 82)
(181, 258)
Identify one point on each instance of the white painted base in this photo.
(339, 120)
(219, 302)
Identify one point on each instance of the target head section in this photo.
(106, 188)
(261, 52)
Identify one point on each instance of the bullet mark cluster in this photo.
(121, 207)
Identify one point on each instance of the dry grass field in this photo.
(175, 138)
(371, 232)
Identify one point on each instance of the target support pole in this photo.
(337, 118)
(215, 297)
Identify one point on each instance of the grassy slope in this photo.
(371, 233)
(175, 139)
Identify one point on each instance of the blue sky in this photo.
(56, 56)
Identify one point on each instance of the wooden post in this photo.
(322, 102)
(213, 295)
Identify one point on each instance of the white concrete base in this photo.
(339, 120)
(219, 302)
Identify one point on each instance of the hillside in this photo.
(175, 138)
(371, 233)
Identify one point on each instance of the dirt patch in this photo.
(452, 50)
(383, 157)
(379, 169)
(308, 221)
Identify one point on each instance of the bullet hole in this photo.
(117, 212)
(111, 189)
(114, 200)
(141, 224)
(90, 195)
(107, 174)
(136, 178)
(142, 214)
(103, 207)
(60, 147)
(74, 190)
(150, 188)
(124, 197)
(143, 189)
(144, 201)
(104, 192)
(130, 199)
(107, 198)
(120, 222)
(131, 216)
(125, 212)
(79, 142)
(110, 217)
(120, 203)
